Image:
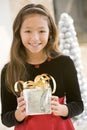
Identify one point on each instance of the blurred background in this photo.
(77, 9)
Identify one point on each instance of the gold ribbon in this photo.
(42, 81)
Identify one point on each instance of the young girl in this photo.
(34, 51)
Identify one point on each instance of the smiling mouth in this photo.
(35, 45)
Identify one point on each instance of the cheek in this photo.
(24, 39)
(45, 39)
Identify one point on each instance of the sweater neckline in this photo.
(37, 66)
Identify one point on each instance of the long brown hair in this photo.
(16, 69)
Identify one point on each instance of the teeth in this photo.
(34, 44)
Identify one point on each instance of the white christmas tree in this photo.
(69, 46)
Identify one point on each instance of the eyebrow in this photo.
(41, 27)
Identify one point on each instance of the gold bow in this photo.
(42, 81)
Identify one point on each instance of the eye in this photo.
(42, 31)
(27, 31)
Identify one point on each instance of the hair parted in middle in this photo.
(16, 67)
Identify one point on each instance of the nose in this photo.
(35, 37)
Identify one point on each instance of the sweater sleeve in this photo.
(8, 103)
(72, 89)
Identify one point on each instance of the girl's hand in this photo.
(57, 108)
(20, 113)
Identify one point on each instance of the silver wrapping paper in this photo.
(38, 101)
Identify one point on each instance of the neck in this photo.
(37, 58)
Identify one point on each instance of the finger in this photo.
(55, 112)
(20, 99)
(22, 109)
(55, 103)
(22, 103)
(55, 98)
(54, 108)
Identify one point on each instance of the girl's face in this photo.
(34, 33)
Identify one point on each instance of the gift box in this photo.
(38, 101)
(37, 94)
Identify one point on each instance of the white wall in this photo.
(5, 32)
